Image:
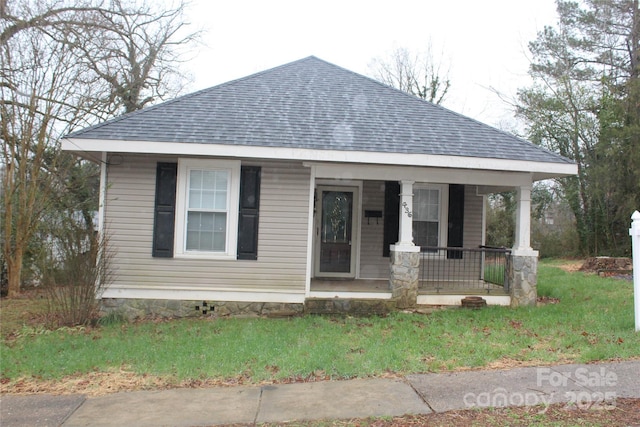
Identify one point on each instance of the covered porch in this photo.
(440, 274)
(475, 272)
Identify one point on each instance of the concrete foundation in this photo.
(139, 308)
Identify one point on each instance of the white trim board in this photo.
(350, 295)
(541, 169)
(431, 175)
(204, 295)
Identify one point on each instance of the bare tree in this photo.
(132, 56)
(18, 16)
(414, 73)
(29, 114)
(65, 64)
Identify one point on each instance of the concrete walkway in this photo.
(593, 384)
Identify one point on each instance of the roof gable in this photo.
(315, 105)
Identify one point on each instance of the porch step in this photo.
(348, 306)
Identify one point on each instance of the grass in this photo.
(494, 274)
(593, 320)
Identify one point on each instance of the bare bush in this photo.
(76, 268)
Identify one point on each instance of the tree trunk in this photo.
(14, 272)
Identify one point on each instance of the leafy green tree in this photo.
(501, 212)
(553, 234)
(581, 106)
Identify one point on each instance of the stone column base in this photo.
(404, 274)
(522, 273)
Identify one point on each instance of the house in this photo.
(308, 182)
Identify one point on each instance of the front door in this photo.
(335, 255)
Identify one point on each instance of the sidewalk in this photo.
(416, 394)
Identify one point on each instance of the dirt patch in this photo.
(571, 266)
(103, 383)
(544, 300)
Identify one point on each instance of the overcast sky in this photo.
(484, 43)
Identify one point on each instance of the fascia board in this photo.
(81, 145)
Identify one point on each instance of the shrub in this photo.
(76, 267)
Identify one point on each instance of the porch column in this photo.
(522, 269)
(523, 220)
(405, 255)
(405, 233)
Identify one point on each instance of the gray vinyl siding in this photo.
(473, 206)
(282, 239)
(372, 264)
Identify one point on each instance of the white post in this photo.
(406, 214)
(522, 243)
(634, 232)
(102, 198)
(102, 238)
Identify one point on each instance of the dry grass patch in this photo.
(571, 265)
(104, 383)
(28, 309)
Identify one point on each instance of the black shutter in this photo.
(456, 220)
(165, 210)
(248, 214)
(391, 215)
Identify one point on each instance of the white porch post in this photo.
(522, 269)
(405, 234)
(522, 243)
(405, 255)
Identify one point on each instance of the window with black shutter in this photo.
(248, 213)
(165, 208)
(455, 220)
(391, 215)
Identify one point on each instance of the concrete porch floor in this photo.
(478, 287)
(371, 286)
(428, 294)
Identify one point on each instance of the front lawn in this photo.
(585, 318)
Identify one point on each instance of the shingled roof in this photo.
(315, 105)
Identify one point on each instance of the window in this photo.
(207, 208)
(429, 209)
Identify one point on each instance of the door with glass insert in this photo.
(334, 232)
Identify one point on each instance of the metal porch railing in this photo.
(447, 269)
